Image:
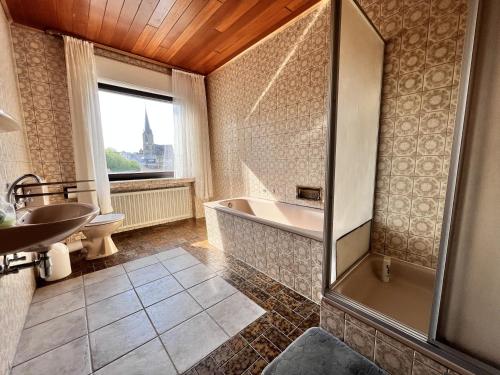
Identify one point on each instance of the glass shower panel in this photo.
(469, 313)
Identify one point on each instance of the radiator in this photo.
(152, 207)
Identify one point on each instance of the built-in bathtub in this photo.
(406, 297)
(305, 221)
(283, 241)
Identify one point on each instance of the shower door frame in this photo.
(454, 176)
(425, 343)
(331, 136)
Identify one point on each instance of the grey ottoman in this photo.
(318, 352)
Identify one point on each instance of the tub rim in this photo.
(312, 234)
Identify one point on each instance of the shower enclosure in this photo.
(453, 311)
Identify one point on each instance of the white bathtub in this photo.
(305, 221)
(284, 241)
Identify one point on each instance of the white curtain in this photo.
(191, 142)
(88, 143)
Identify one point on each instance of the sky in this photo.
(122, 119)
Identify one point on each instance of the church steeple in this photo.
(147, 136)
(147, 128)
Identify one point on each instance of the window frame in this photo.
(130, 176)
(133, 92)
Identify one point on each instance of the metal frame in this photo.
(456, 166)
(455, 163)
(331, 142)
(141, 94)
(139, 176)
(409, 337)
(428, 343)
(134, 92)
(335, 21)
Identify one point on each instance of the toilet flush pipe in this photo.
(76, 245)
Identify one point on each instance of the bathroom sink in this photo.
(40, 227)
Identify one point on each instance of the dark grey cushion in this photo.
(318, 352)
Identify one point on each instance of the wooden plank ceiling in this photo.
(196, 35)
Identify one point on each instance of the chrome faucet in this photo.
(42, 261)
(11, 193)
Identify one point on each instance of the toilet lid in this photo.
(105, 219)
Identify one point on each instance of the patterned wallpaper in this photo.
(125, 58)
(422, 71)
(15, 290)
(41, 72)
(267, 113)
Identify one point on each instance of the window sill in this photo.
(141, 180)
(148, 184)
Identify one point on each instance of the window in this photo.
(138, 133)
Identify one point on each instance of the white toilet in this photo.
(98, 232)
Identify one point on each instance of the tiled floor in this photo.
(165, 301)
(164, 269)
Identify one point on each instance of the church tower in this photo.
(147, 138)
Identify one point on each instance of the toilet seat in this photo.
(106, 219)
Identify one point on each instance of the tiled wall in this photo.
(390, 354)
(422, 70)
(267, 113)
(291, 259)
(15, 290)
(125, 58)
(41, 71)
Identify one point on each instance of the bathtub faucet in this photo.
(386, 269)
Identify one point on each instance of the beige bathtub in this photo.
(305, 221)
(407, 297)
(283, 241)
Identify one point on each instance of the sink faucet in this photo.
(11, 193)
(42, 261)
